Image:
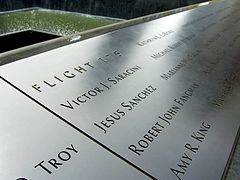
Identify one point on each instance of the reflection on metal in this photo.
(204, 4)
(46, 46)
(75, 38)
(32, 139)
(162, 97)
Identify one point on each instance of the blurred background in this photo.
(125, 9)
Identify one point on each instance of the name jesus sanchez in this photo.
(117, 115)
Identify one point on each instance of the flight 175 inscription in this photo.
(162, 96)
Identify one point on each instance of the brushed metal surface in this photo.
(163, 94)
(30, 135)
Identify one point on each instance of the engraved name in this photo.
(99, 89)
(165, 120)
(172, 47)
(54, 163)
(118, 114)
(191, 150)
(155, 37)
